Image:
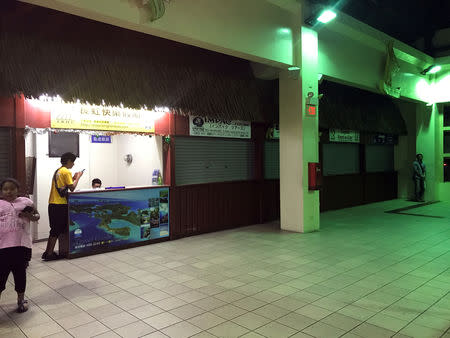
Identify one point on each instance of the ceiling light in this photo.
(326, 16)
(433, 69)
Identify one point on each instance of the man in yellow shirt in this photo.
(62, 181)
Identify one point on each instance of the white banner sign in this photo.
(204, 126)
(347, 136)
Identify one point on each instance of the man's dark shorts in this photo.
(58, 216)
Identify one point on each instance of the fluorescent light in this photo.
(326, 16)
(434, 69)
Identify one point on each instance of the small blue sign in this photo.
(100, 139)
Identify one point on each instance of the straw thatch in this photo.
(45, 51)
(349, 108)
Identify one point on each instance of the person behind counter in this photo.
(15, 238)
(96, 183)
(62, 181)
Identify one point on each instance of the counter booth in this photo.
(113, 219)
(120, 147)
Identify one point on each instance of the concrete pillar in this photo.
(299, 140)
(427, 144)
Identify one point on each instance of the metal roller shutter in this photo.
(5, 152)
(272, 160)
(205, 160)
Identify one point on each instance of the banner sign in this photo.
(204, 126)
(344, 136)
(100, 139)
(92, 117)
(99, 221)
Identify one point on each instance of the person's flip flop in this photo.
(22, 306)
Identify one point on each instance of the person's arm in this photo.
(416, 169)
(32, 215)
(75, 180)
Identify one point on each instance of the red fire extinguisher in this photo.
(314, 176)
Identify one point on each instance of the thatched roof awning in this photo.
(349, 108)
(45, 51)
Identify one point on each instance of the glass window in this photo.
(446, 142)
(340, 158)
(446, 116)
(379, 158)
(446, 169)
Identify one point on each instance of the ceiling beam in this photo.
(367, 35)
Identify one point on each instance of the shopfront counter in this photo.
(112, 219)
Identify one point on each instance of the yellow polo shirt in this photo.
(63, 178)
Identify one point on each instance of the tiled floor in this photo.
(365, 274)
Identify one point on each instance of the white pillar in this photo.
(427, 144)
(299, 140)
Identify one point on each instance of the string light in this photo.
(47, 102)
(43, 131)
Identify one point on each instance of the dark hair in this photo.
(66, 157)
(12, 180)
(419, 154)
(96, 181)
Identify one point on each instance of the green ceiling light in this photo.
(326, 16)
(433, 69)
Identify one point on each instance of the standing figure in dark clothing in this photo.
(419, 178)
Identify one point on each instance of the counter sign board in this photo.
(204, 126)
(114, 219)
(344, 136)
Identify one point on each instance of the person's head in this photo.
(96, 183)
(68, 160)
(9, 188)
(419, 157)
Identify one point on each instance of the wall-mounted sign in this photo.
(100, 139)
(311, 105)
(273, 132)
(204, 126)
(384, 139)
(347, 136)
(311, 110)
(92, 117)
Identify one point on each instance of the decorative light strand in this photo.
(42, 131)
(47, 102)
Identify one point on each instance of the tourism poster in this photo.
(102, 220)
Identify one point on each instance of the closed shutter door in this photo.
(205, 160)
(379, 158)
(5, 152)
(272, 160)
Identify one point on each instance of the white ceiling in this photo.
(290, 5)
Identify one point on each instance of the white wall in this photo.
(104, 161)
(45, 168)
(147, 156)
